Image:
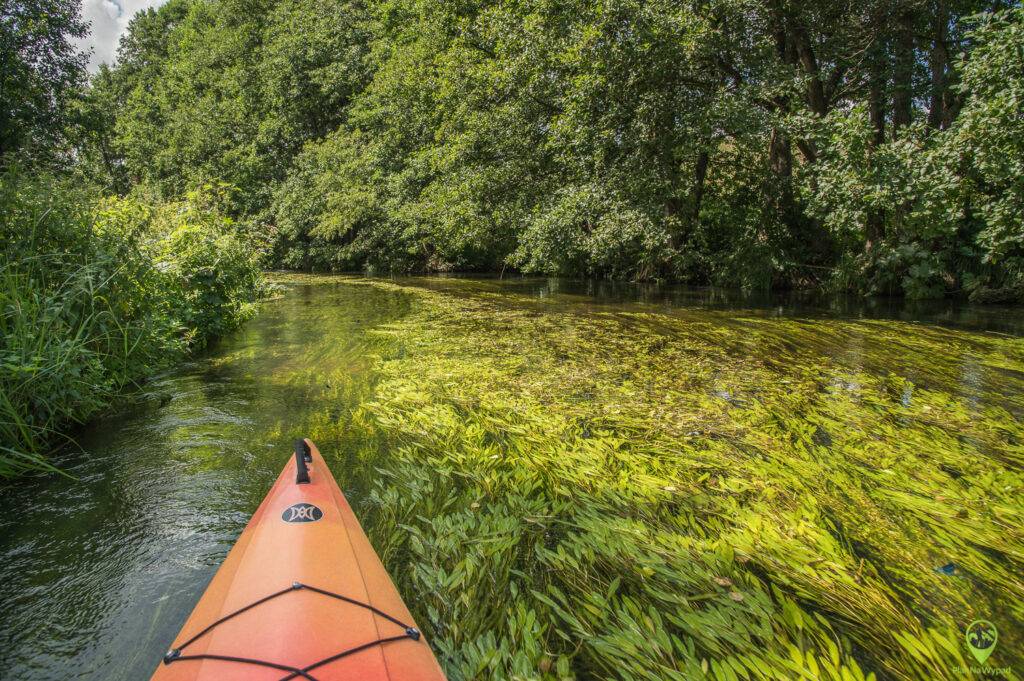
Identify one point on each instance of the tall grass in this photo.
(46, 361)
(95, 295)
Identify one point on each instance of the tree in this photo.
(988, 141)
(760, 143)
(40, 69)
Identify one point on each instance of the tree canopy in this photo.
(872, 147)
(40, 70)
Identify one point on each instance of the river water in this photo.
(98, 570)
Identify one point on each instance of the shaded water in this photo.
(97, 573)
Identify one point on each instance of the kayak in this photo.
(301, 595)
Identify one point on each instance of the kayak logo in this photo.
(302, 513)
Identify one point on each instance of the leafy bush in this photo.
(988, 138)
(213, 272)
(97, 294)
(587, 230)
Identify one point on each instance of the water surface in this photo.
(99, 571)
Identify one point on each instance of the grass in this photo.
(570, 493)
(53, 366)
(96, 296)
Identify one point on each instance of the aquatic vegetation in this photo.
(571, 491)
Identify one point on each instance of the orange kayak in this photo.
(301, 595)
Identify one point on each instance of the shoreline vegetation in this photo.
(871, 148)
(97, 295)
(564, 491)
(561, 493)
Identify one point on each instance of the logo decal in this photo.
(302, 513)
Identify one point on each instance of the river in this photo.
(98, 570)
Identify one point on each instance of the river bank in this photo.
(97, 295)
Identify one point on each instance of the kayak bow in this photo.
(301, 595)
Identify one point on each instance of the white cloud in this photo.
(108, 19)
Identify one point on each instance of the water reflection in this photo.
(951, 313)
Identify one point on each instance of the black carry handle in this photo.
(302, 457)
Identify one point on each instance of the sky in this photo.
(108, 19)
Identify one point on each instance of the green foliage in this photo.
(326, 213)
(229, 91)
(746, 144)
(50, 372)
(96, 295)
(928, 211)
(99, 153)
(988, 139)
(40, 70)
(211, 268)
(585, 232)
(908, 184)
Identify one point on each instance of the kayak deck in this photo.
(302, 594)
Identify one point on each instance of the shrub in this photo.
(213, 271)
(587, 230)
(95, 295)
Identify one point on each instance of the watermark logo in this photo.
(981, 637)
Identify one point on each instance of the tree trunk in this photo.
(780, 155)
(938, 63)
(700, 174)
(903, 73)
(876, 101)
(809, 63)
(673, 206)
